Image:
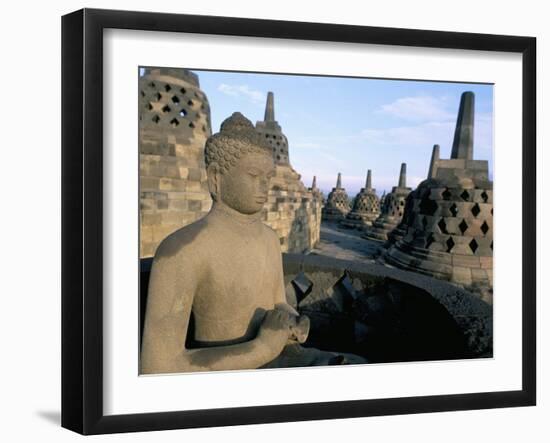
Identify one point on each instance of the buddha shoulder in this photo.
(188, 240)
(272, 236)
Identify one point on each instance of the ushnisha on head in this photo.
(239, 164)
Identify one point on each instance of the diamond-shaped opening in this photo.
(167, 88)
(475, 210)
(183, 112)
(174, 122)
(149, 106)
(453, 209)
(191, 125)
(166, 108)
(152, 84)
(473, 245)
(429, 240)
(156, 118)
(465, 195)
(446, 194)
(463, 226)
(204, 129)
(450, 244)
(484, 228)
(175, 99)
(442, 226)
(484, 196)
(190, 103)
(158, 96)
(183, 90)
(491, 246)
(428, 206)
(424, 221)
(142, 93)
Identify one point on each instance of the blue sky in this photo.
(350, 125)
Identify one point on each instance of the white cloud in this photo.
(420, 135)
(430, 133)
(421, 108)
(243, 91)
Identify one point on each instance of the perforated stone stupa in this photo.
(271, 130)
(174, 123)
(392, 209)
(366, 207)
(449, 222)
(292, 210)
(337, 204)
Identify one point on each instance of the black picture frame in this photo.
(82, 218)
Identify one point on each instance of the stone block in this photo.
(194, 174)
(179, 185)
(165, 184)
(480, 276)
(468, 261)
(195, 205)
(183, 172)
(461, 275)
(150, 218)
(486, 262)
(146, 234)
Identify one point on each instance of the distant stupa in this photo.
(392, 209)
(271, 130)
(366, 207)
(337, 204)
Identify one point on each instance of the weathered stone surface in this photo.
(216, 297)
(393, 315)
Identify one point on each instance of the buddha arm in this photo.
(172, 287)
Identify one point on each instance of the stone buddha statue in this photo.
(216, 297)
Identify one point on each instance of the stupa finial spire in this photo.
(433, 162)
(269, 115)
(339, 181)
(368, 184)
(463, 144)
(314, 182)
(403, 176)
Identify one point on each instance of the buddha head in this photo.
(239, 164)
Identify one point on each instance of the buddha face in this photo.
(245, 186)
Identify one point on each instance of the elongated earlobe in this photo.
(213, 181)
